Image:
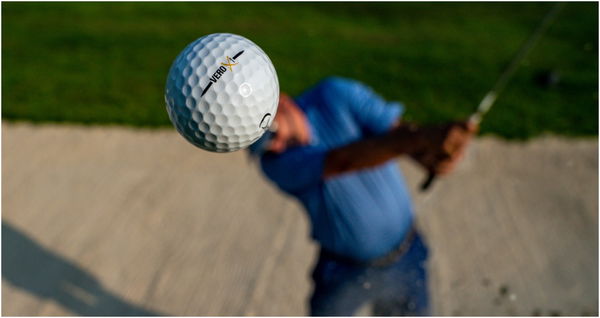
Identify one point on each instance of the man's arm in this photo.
(437, 148)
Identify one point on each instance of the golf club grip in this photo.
(425, 185)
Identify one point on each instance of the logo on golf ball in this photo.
(265, 122)
(230, 62)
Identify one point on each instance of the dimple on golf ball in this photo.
(222, 92)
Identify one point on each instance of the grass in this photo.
(106, 63)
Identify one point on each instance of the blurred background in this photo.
(108, 211)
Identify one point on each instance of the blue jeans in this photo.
(399, 289)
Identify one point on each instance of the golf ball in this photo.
(222, 92)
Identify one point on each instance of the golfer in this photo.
(333, 148)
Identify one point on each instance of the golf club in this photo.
(488, 100)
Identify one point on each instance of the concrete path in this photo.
(121, 221)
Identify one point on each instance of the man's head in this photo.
(290, 127)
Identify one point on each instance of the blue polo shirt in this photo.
(361, 214)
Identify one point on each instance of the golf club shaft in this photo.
(488, 100)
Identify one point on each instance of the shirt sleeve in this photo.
(371, 111)
(295, 170)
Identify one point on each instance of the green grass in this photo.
(106, 63)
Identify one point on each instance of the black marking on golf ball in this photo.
(238, 54)
(218, 73)
(265, 124)
(206, 89)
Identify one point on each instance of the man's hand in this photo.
(437, 148)
(440, 148)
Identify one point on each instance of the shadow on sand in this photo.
(27, 265)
